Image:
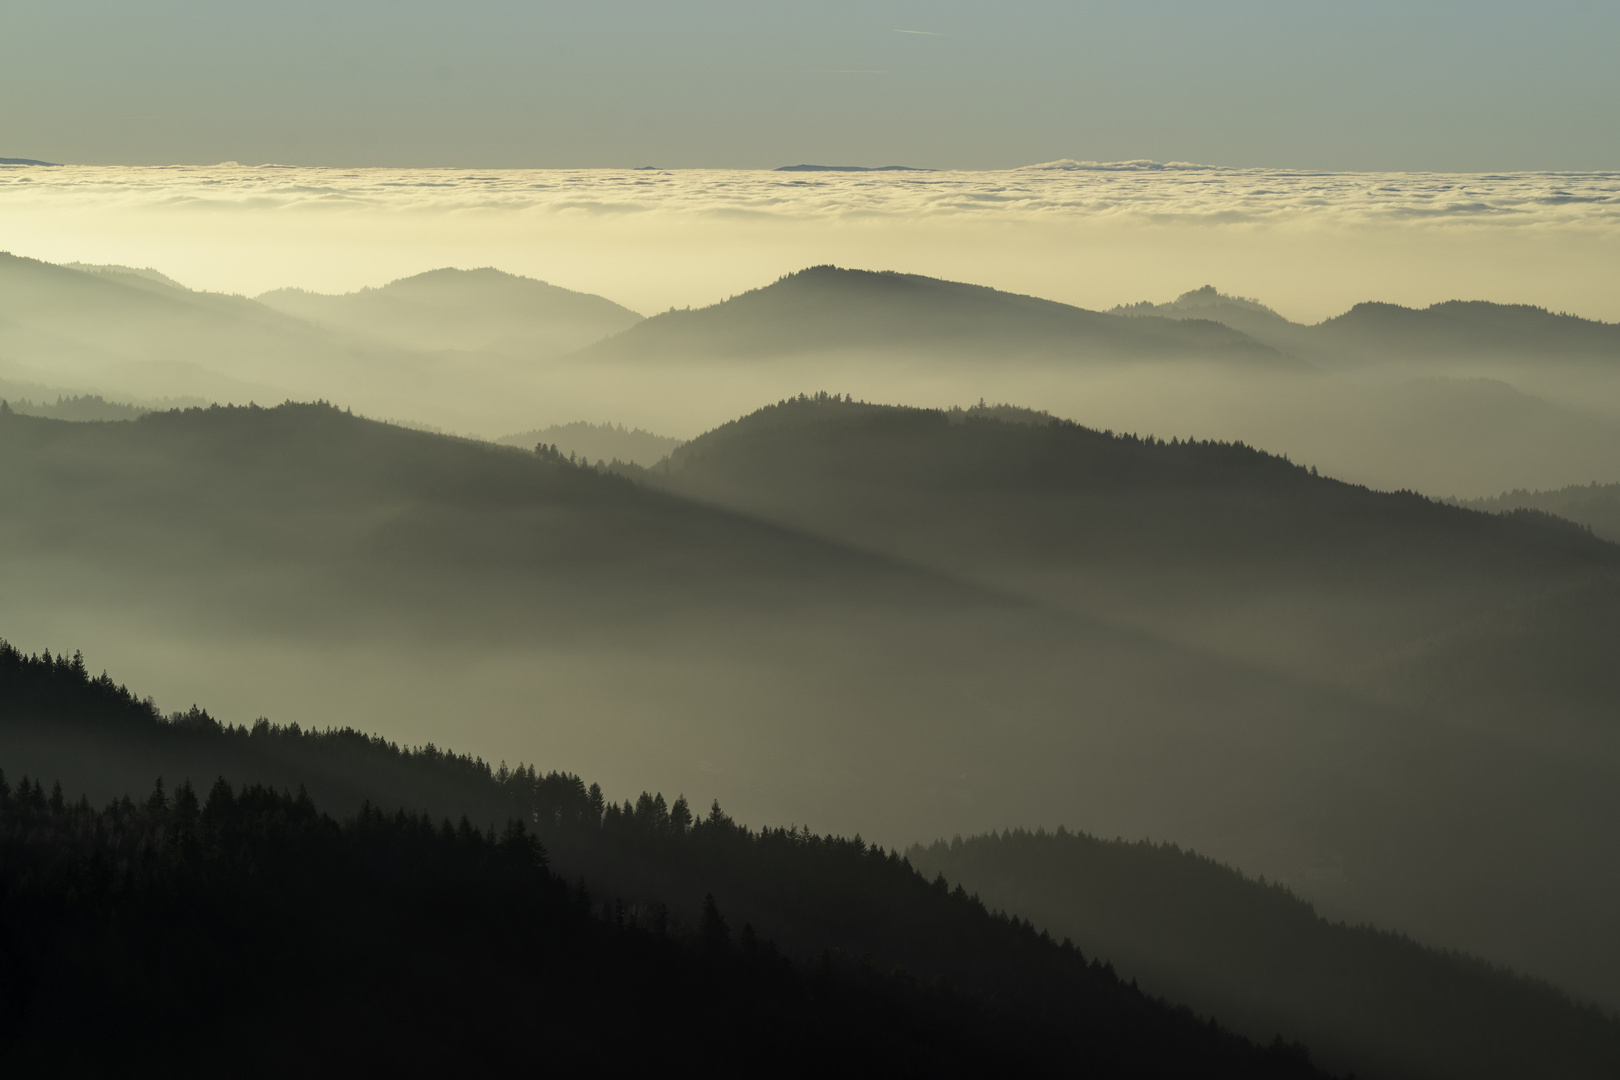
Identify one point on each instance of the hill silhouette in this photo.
(464, 310)
(826, 309)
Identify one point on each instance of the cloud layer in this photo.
(1142, 191)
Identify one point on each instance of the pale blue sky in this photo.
(1366, 85)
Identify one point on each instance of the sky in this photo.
(1428, 85)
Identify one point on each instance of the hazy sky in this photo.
(1368, 85)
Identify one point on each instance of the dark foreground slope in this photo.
(247, 927)
(1253, 954)
(826, 309)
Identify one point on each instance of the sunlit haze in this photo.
(1309, 244)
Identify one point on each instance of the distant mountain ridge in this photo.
(458, 349)
(484, 309)
(828, 309)
(1474, 327)
(850, 168)
(1374, 331)
(604, 443)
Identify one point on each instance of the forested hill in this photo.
(1255, 955)
(167, 933)
(1057, 490)
(827, 309)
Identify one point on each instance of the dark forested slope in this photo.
(172, 932)
(826, 309)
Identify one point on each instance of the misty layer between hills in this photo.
(302, 562)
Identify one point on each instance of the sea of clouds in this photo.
(1140, 190)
